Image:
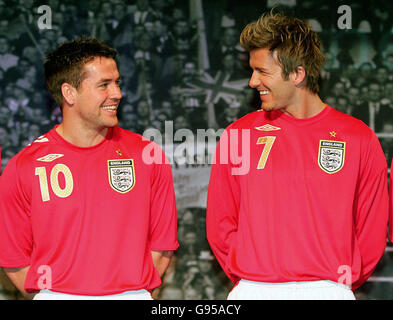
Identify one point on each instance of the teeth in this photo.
(263, 92)
(109, 107)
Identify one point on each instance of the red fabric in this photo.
(292, 220)
(95, 239)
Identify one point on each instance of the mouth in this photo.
(110, 108)
(264, 92)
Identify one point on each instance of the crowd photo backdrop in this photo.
(184, 72)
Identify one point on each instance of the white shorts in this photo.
(128, 295)
(302, 290)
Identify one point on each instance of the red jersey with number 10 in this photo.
(298, 199)
(90, 216)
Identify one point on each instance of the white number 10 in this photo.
(54, 181)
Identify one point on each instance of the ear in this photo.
(69, 93)
(298, 77)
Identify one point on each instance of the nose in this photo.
(254, 80)
(116, 93)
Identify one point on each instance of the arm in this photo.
(161, 260)
(18, 278)
(16, 240)
(163, 216)
(371, 209)
(222, 207)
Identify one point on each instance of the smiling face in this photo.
(275, 92)
(96, 101)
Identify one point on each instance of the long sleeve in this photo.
(390, 235)
(371, 209)
(222, 208)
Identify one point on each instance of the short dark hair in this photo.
(65, 64)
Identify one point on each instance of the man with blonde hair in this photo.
(308, 219)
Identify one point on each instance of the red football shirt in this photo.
(87, 217)
(298, 199)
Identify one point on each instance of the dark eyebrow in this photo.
(108, 80)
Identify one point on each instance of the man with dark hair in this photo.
(67, 62)
(302, 214)
(84, 212)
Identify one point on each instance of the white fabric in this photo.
(128, 295)
(302, 290)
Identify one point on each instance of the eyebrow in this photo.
(260, 69)
(257, 66)
(108, 80)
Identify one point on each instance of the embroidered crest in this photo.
(331, 155)
(121, 174)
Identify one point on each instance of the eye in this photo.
(103, 85)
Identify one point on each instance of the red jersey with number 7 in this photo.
(298, 199)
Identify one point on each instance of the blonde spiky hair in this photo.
(293, 40)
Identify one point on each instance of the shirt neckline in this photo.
(306, 121)
(58, 138)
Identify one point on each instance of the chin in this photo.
(267, 107)
(113, 123)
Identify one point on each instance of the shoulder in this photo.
(127, 136)
(358, 134)
(139, 143)
(21, 165)
(247, 120)
(353, 125)
(34, 150)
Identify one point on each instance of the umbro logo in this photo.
(267, 127)
(41, 139)
(50, 157)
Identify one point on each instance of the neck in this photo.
(81, 137)
(305, 106)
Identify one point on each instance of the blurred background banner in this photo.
(182, 64)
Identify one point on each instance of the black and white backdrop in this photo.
(183, 70)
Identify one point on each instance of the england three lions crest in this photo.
(331, 155)
(121, 174)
